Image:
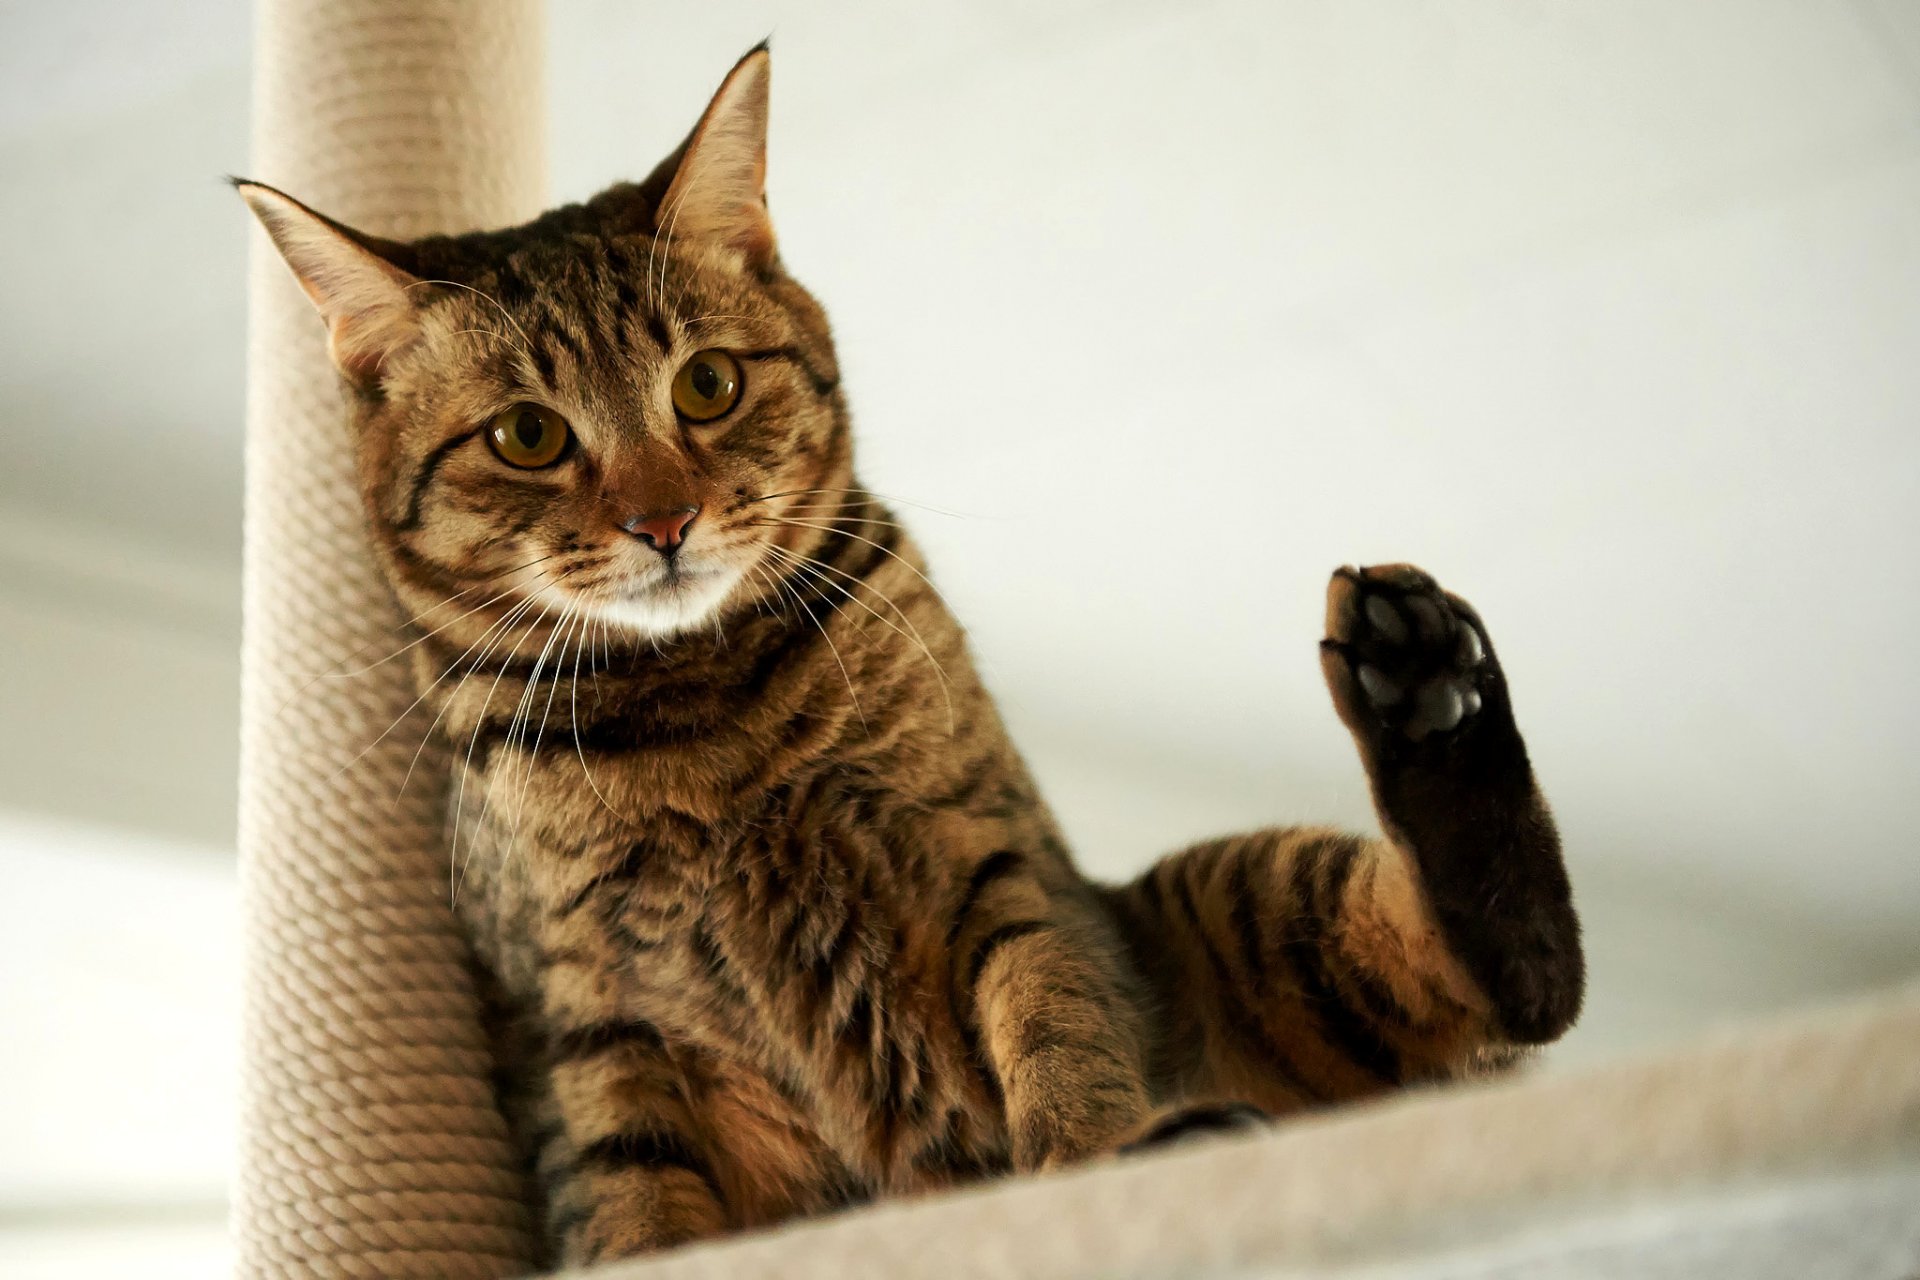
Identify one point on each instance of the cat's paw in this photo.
(1192, 1121)
(1404, 659)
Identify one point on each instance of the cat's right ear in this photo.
(365, 300)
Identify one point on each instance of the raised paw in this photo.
(1418, 684)
(1405, 660)
(1181, 1124)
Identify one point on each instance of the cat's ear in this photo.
(364, 298)
(719, 189)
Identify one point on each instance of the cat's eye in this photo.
(529, 436)
(707, 386)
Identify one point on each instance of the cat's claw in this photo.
(1405, 658)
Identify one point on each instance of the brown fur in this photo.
(775, 918)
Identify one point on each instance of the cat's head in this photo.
(605, 411)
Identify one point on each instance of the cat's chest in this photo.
(754, 936)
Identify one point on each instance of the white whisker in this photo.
(827, 528)
(580, 748)
(521, 710)
(871, 493)
(833, 649)
(333, 672)
(422, 695)
(838, 514)
(480, 722)
(496, 631)
(911, 634)
(564, 630)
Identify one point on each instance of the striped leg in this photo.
(1299, 967)
(1060, 1041)
(623, 1164)
(1302, 966)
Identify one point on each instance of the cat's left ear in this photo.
(719, 189)
(365, 300)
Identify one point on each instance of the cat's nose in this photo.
(663, 532)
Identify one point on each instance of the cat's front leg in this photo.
(1038, 992)
(625, 1166)
(1414, 677)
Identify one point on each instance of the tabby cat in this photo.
(774, 915)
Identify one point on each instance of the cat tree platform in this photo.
(1790, 1151)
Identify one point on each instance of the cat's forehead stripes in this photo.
(595, 307)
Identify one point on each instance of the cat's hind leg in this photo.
(1299, 966)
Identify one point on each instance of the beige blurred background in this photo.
(1607, 312)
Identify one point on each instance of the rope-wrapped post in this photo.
(372, 1143)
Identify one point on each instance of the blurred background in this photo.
(1607, 313)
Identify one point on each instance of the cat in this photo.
(775, 919)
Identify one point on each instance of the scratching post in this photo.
(371, 1142)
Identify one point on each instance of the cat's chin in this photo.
(668, 608)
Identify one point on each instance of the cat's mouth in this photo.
(672, 597)
(671, 578)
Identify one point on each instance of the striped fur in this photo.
(775, 919)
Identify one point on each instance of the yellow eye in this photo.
(707, 386)
(529, 436)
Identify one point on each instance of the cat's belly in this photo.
(833, 1095)
(814, 1037)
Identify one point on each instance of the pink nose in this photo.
(665, 532)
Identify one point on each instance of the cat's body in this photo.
(775, 919)
(796, 900)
